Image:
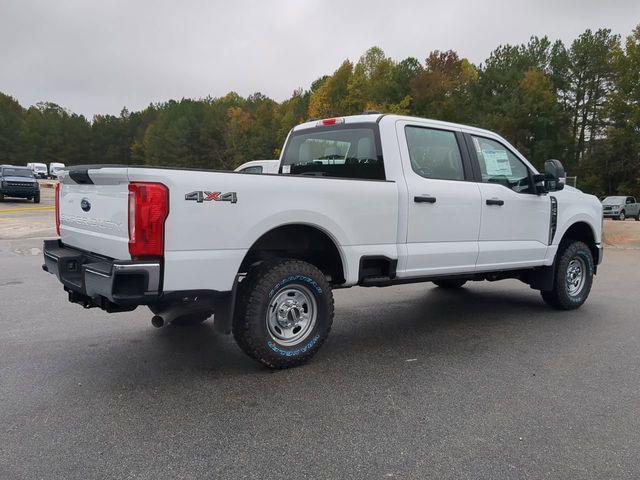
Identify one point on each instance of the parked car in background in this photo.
(39, 169)
(54, 167)
(259, 166)
(620, 207)
(19, 182)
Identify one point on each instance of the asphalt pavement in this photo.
(21, 218)
(414, 382)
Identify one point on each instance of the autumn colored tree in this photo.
(579, 103)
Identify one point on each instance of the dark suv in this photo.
(18, 182)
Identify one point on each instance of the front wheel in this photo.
(284, 313)
(573, 277)
(36, 199)
(622, 216)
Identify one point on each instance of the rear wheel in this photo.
(450, 284)
(1, 197)
(573, 277)
(284, 313)
(638, 216)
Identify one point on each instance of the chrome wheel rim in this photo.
(291, 315)
(576, 276)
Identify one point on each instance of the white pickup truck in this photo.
(370, 200)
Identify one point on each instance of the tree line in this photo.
(579, 103)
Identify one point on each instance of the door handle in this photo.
(424, 199)
(495, 201)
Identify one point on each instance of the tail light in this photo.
(148, 210)
(57, 201)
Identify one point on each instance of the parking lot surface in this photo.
(413, 382)
(21, 218)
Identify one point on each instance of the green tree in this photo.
(442, 89)
(11, 126)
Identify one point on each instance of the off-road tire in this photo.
(559, 297)
(1, 197)
(256, 292)
(450, 284)
(36, 198)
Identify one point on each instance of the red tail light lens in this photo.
(57, 201)
(148, 210)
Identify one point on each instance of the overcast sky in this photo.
(98, 56)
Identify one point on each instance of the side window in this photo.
(434, 153)
(631, 200)
(252, 169)
(499, 165)
(349, 151)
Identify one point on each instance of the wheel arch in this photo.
(582, 231)
(307, 242)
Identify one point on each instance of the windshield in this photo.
(349, 151)
(613, 200)
(17, 172)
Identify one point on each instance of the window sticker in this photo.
(286, 169)
(497, 163)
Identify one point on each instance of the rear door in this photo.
(443, 204)
(515, 219)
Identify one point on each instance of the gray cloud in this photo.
(96, 57)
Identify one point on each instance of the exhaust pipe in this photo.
(157, 321)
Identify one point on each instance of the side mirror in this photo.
(554, 175)
(540, 183)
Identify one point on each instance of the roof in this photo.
(376, 117)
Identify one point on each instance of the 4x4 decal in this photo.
(204, 196)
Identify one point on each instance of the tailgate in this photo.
(94, 210)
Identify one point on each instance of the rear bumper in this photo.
(94, 281)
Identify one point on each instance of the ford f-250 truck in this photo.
(370, 200)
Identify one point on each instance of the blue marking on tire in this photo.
(293, 278)
(296, 352)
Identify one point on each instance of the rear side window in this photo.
(345, 152)
(434, 153)
(252, 169)
(499, 165)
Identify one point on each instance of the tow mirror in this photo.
(555, 175)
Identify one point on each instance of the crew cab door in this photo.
(514, 232)
(632, 208)
(443, 208)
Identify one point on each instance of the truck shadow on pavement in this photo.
(418, 324)
(372, 337)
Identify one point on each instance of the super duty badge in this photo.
(203, 196)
